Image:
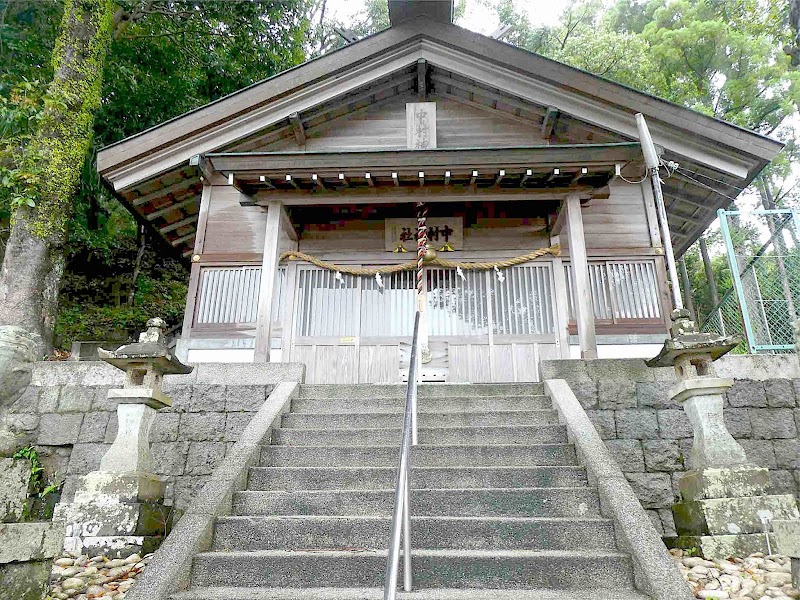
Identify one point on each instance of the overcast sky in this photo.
(478, 17)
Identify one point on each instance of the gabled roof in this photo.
(527, 86)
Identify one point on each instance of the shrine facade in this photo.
(296, 202)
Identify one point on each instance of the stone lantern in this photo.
(725, 509)
(119, 508)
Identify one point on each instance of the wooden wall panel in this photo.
(336, 364)
(619, 221)
(526, 361)
(383, 127)
(502, 363)
(469, 363)
(379, 364)
(306, 355)
(368, 236)
(233, 228)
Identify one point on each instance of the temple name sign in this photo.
(441, 231)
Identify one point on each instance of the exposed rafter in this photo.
(172, 207)
(549, 123)
(178, 224)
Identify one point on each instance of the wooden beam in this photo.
(167, 209)
(178, 224)
(456, 159)
(561, 220)
(202, 221)
(297, 127)
(269, 271)
(549, 123)
(584, 311)
(526, 177)
(578, 174)
(430, 193)
(207, 172)
(422, 79)
(177, 242)
(184, 184)
(286, 225)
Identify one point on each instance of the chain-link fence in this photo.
(764, 258)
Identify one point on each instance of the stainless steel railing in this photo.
(401, 516)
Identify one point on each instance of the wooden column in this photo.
(194, 277)
(269, 271)
(584, 311)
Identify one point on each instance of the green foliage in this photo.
(95, 288)
(42, 493)
(723, 58)
(164, 59)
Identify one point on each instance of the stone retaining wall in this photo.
(649, 435)
(66, 415)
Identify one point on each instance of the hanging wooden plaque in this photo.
(441, 231)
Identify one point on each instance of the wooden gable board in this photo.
(720, 145)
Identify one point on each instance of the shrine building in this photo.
(296, 203)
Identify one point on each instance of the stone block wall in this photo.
(650, 436)
(66, 415)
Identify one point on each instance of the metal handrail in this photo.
(401, 516)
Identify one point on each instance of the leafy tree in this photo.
(724, 58)
(164, 58)
(48, 165)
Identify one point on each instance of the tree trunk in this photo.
(712, 283)
(137, 266)
(33, 262)
(688, 298)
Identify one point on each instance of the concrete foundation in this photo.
(723, 511)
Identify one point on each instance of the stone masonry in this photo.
(650, 435)
(71, 422)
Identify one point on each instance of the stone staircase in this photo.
(501, 509)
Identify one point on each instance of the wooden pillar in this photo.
(194, 277)
(561, 306)
(269, 271)
(584, 311)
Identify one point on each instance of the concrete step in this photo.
(507, 569)
(354, 478)
(431, 390)
(248, 533)
(546, 502)
(240, 593)
(511, 455)
(540, 434)
(442, 419)
(425, 405)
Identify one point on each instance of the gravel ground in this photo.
(84, 578)
(757, 577)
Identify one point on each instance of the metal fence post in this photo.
(735, 276)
